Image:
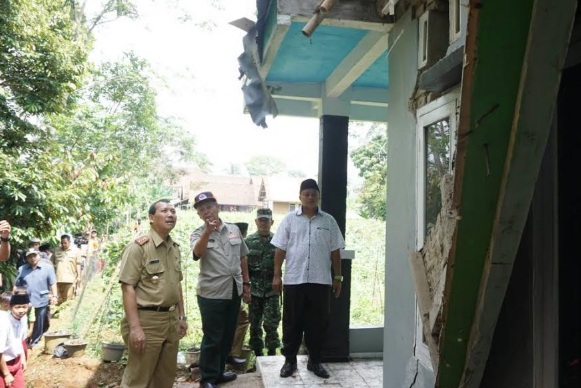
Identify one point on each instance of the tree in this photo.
(43, 62)
(78, 145)
(371, 160)
(43, 58)
(265, 165)
(131, 148)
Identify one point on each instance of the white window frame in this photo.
(439, 109)
(421, 350)
(423, 31)
(455, 18)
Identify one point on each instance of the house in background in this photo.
(234, 193)
(241, 193)
(281, 194)
(481, 99)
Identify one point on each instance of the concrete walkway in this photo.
(362, 372)
(356, 373)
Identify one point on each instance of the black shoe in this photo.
(271, 352)
(317, 369)
(227, 377)
(288, 369)
(235, 360)
(207, 384)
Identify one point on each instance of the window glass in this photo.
(437, 164)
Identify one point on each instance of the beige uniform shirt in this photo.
(65, 264)
(154, 270)
(221, 263)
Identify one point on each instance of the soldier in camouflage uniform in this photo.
(265, 305)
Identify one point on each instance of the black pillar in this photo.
(333, 155)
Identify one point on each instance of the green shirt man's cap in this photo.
(264, 213)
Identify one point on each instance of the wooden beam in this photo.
(369, 96)
(313, 108)
(371, 47)
(550, 30)
(314, 91)
(273, 45)
(424, 298)
(496, 29)
(364, 11)
(358, 24)
(296, 91)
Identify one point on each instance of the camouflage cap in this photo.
(264, 213)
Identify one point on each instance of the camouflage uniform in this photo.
(265, 304)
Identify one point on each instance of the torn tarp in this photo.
(257, 98)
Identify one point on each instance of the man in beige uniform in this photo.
(154, 319)
(67, 262)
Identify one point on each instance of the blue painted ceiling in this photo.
(312, 60)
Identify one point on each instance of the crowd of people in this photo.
(234, 269)
(240, 288)
(44, 278)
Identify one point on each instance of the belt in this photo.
(158, 308)
(14, 361)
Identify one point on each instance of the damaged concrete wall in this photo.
(429, 268)
(438, 242)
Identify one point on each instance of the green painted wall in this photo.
(500, 45)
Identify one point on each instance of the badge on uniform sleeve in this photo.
(141, 240)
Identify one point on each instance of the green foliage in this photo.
(42, 64)
(110, 11)
(83, 163)
(42, 58)
(9, 272)
(265, 165)
(371, 160)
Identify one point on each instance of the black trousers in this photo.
(218, 326)
(306, 309)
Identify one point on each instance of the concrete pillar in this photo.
(333, 156)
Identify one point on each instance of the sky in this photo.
(194, 52)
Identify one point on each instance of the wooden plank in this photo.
(424, 298)
(371, 47)
(496, 29)
(550, 30)
(353, 10)
(273, 45)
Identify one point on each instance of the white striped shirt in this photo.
(308, 244)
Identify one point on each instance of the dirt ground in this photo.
(46, 371)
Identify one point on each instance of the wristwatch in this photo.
(246, 283)
(183, 318)
(338, 277)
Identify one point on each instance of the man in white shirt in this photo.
(13, 330)
(308, 241)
